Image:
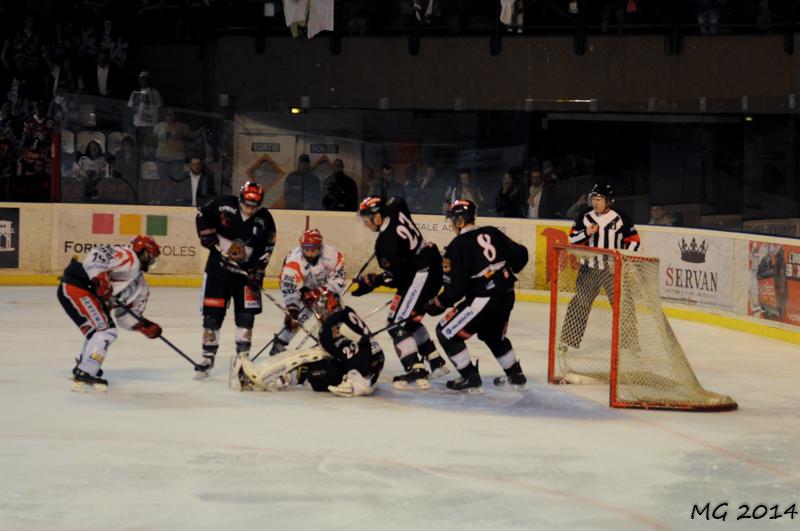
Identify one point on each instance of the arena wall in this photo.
(707, 276)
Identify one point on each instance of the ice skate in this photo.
(83, 382)
(415, 379)
(204, 367)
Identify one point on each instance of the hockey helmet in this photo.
(326, 304)
(145, 243)
(462, 209)
(371, 205)
(604, 190)
(311, 239)
(251, 194)
(311, 244)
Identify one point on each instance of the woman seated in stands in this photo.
(90, 167)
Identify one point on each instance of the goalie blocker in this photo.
(347, 362)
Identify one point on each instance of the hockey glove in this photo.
(148, 328)
(255, 279)
(290, 321)
(367, 283)
(208, 238)
(102, 287)
(229, 265)
(311, 296)
(434, 307)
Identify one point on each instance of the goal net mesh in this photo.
(651, 368)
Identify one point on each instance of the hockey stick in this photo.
(376, 310)
(271, 341)
(360, 272)
(282, 308)
(161, 337)
(391, 326)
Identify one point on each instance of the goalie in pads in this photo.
(347, 362)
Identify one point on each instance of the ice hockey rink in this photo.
(161, 450)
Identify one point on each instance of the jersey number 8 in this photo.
(485, 241)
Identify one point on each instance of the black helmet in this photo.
(371, 205)
(251, 194)
(462, 208)
(603, 189)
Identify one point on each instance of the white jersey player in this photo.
(109, 276)
(311, 271)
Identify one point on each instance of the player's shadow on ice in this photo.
(538, 400)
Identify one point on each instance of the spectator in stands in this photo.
(464, 189)
(301, 190)
(708, 12)
(170, 137)
(342, 193)
(509, 202)
(374, 183)
(18, 82)
(66, 78)
(426, 195)
(145, 104)
(389, 186)
(37, 137)
(542, 200)
(90, 167)
(26, 46)
(103, 78)
(580, 204)
(658, 216)
(126, 161)
(198, 184)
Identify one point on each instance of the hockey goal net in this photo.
(607, 326)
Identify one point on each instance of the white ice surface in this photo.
(163, 451)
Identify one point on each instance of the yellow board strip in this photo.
(723, 321)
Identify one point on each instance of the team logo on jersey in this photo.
(236, 251)
(385, 263)
(446, 265)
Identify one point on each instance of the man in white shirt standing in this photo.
(145, 104)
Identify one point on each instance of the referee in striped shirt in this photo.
(603, 227)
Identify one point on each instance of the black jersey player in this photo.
(414, 269)
(479, 275)
(240, 235)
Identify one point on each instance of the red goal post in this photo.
(607, 326)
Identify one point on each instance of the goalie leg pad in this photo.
(266, 376)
